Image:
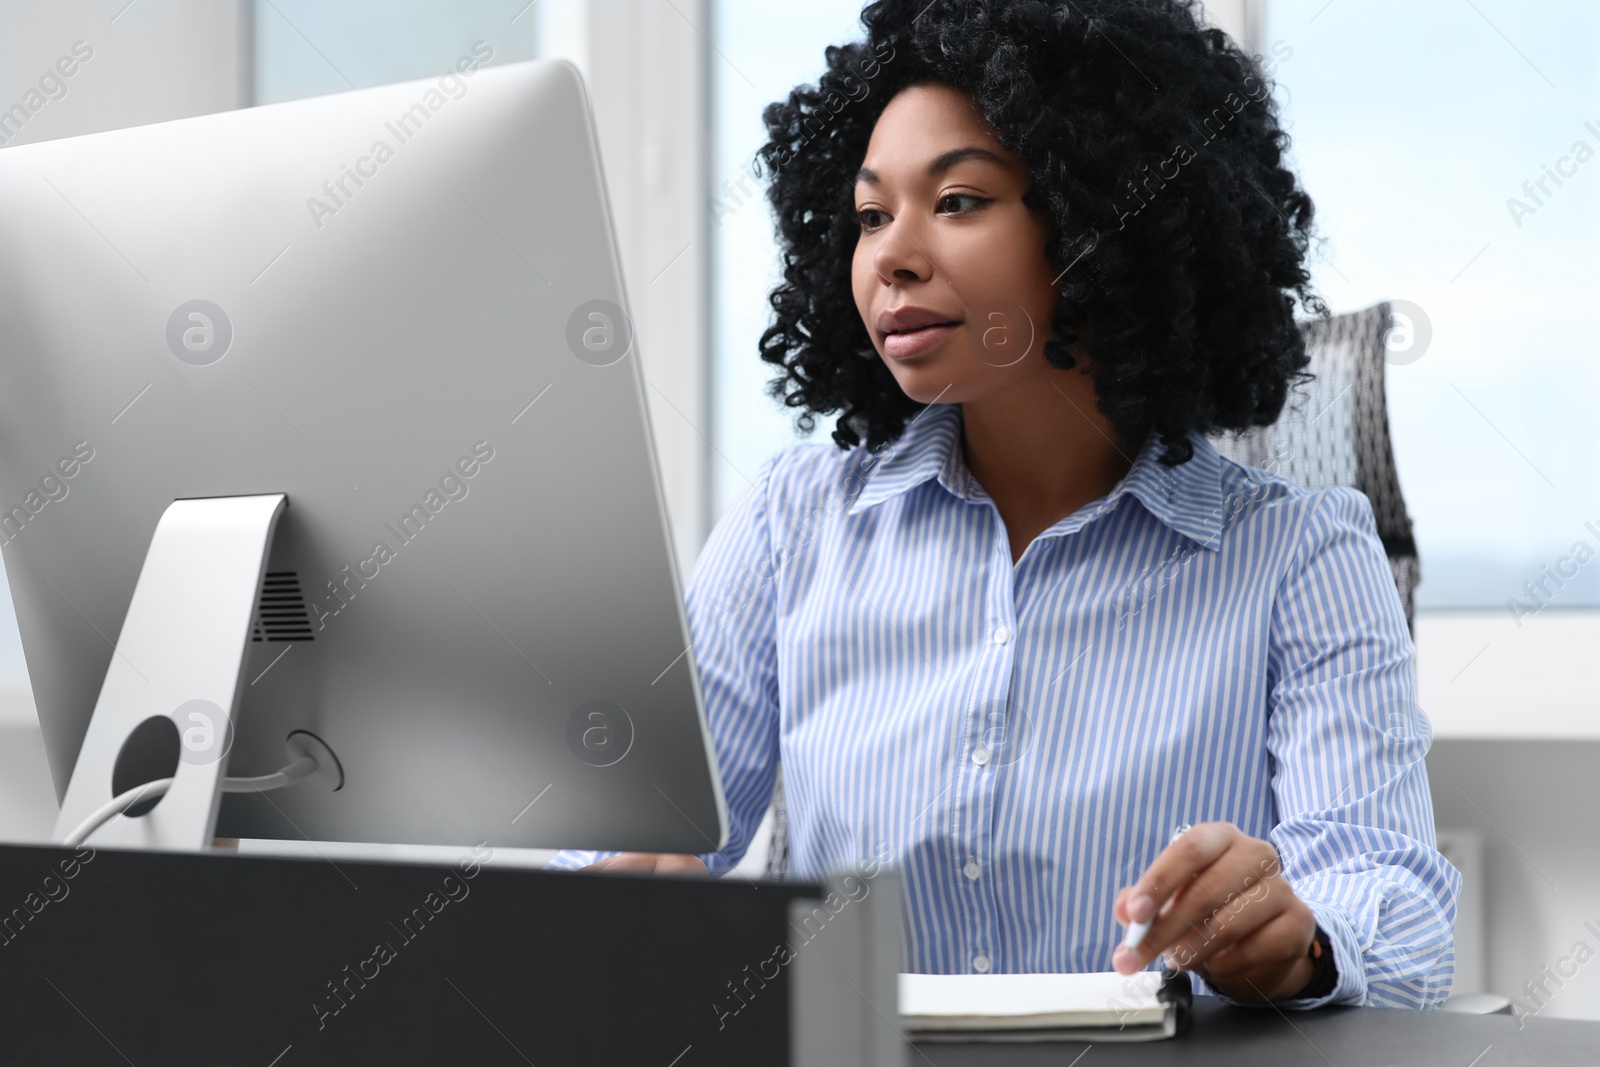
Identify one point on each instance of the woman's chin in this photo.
(925, 383)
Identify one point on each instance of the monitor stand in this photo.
(174, 684)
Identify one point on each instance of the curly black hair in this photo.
(1155, 150)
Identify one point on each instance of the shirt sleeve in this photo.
(1355, 827)
(731, 604)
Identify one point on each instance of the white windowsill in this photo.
(1480, 676)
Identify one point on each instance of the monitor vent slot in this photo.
(281, 613)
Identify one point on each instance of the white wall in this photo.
(27, 797)
(647, 75)
(1241, 19)
(151, 61)
(1515, 710)
(1533, 804)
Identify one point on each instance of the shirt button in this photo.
(980, 756)
(972, 870)
(980, 963)
(1001, 635)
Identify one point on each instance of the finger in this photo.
(1283, 940)
(1118, 905)
(626, 861)
(1234, 896)
(1270, 964)
(681, 866)
(1239, 916)
(1180, 861)
(1130, 891)
(1238, 868)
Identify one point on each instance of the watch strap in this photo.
(1324, 975)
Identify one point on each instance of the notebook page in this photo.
(985, 1000)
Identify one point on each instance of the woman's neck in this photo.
(1042, 449)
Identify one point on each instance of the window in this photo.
(762, 51)
(1453, 153)
(307, 48)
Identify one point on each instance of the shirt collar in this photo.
(1186, 498)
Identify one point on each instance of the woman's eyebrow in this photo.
(949, 159)
(941, 163)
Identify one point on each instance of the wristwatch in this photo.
(1324, 976)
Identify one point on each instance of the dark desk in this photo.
(138, 958)
(1224, 1036)
(205, 960)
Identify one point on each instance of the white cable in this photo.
(303, 767)
(114, 807)
(300, 768)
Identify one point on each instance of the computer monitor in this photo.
(365, 361)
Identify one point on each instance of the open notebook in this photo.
(1103, 1006)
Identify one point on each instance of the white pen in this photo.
(1137, 930)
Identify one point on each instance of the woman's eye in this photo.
(871, 218)
(960, 203)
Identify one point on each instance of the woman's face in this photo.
(950, 274)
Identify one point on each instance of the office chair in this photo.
(1334, 431)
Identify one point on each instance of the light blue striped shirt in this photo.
(1206, 642)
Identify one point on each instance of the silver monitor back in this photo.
(402, 307)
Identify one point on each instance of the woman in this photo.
(1024, 620)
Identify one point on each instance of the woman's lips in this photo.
(909, 343)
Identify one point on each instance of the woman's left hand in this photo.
(1223, 910)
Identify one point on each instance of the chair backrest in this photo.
(1335, 431)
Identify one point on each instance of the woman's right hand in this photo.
(668, 863)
